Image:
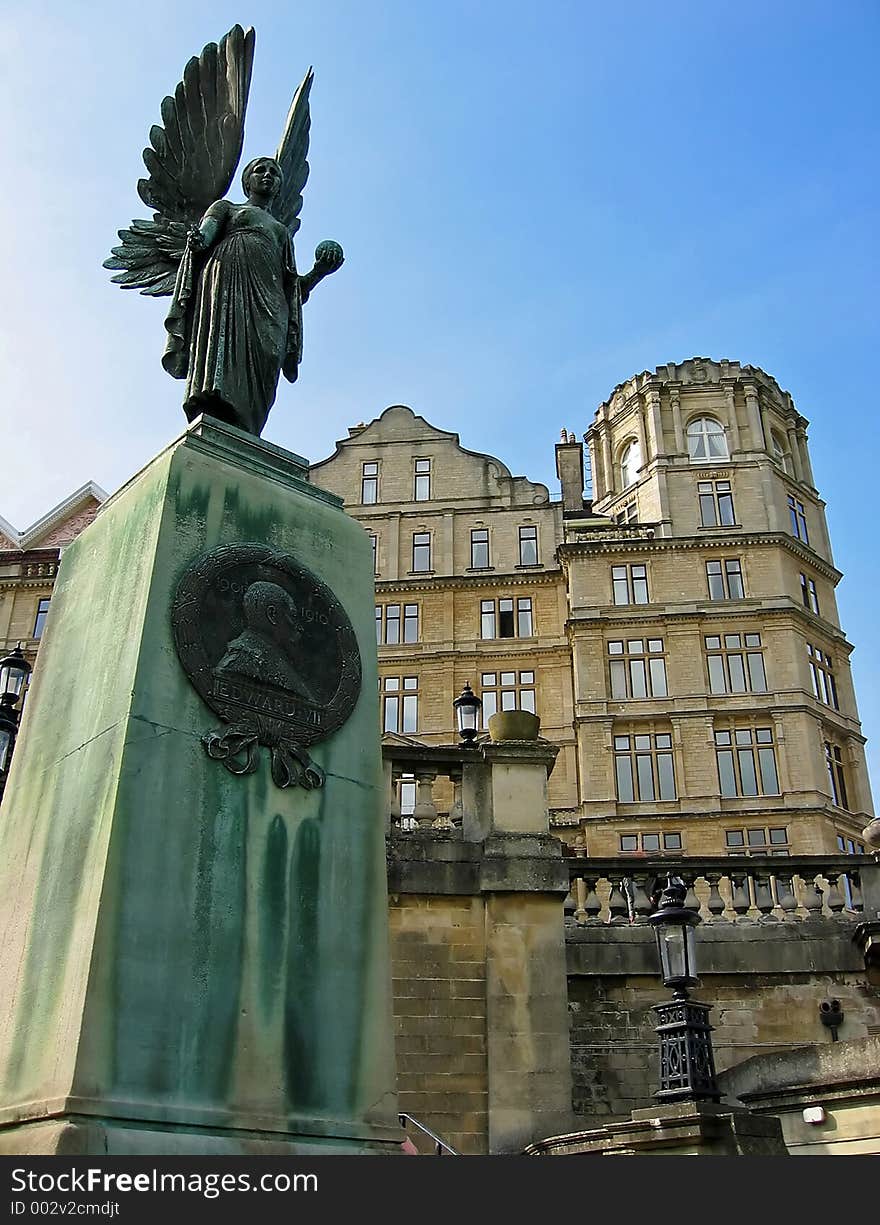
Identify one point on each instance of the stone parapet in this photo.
(478, 946)
(688, 1129)
(826, 1095)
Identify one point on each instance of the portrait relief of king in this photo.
(271, 650)
(266, 649)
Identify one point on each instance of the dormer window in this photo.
(370, 483)
(707, 440)
(630, 462)
(422, 480)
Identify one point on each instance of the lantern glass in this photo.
(677, 947)
(467, 712)
(5, 749)
(14, 669)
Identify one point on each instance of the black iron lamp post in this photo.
(467, 712)
(14, 671)
(687, 1064)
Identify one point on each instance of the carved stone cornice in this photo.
(699, 611)
(695, 375)
(25, 584)
(707, 707)
(484, 651)
(614, 543)
(445, 582)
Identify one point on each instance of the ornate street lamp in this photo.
(467, 712)
(687, 1064)
(14, 671)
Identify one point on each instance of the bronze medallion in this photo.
(269, 648)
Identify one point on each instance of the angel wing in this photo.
(293, 151)
(191, 162)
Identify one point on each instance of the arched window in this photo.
(780, 452)
(706, 440)
(630, 462)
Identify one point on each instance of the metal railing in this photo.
(442, 1149)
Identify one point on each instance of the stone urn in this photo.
(514, 725)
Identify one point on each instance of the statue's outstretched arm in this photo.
(328, 258)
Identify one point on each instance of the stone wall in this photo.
(438, 968)
(765, 981)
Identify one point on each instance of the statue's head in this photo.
(271, 612)
(263, 173)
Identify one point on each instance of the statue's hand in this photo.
(195, 239)
(328, 257)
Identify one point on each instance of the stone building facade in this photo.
(678, 633)
(468, 585)
(29, 563)
(714, 703)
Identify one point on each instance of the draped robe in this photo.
(236, 318)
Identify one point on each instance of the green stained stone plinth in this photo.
(183, 948)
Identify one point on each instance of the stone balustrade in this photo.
(40, 569)
(728, 889)
(576, 534)
(429, 778)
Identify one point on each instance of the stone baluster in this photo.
(691, 901)
(715, 904)
(569, 906)
(425, 811)
(785, 895)
(834, 899)
(855, 889)
(579, 890)
(456, 812)
(592, 906)
(764, 897)
(641, 901)
(617, 907)
(394, 806)
(741, 901)
(813, 900)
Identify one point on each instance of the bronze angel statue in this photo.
(235, 320)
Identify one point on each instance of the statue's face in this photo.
(264, 178)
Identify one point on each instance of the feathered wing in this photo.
(191, 161)
(292, 155)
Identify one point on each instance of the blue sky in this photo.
(535, 201)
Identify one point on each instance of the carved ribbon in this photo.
(239, 750)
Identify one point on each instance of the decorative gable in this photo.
(64, 522)
(68, 529)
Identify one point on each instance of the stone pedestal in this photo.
(191, 961)
(483, 906)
